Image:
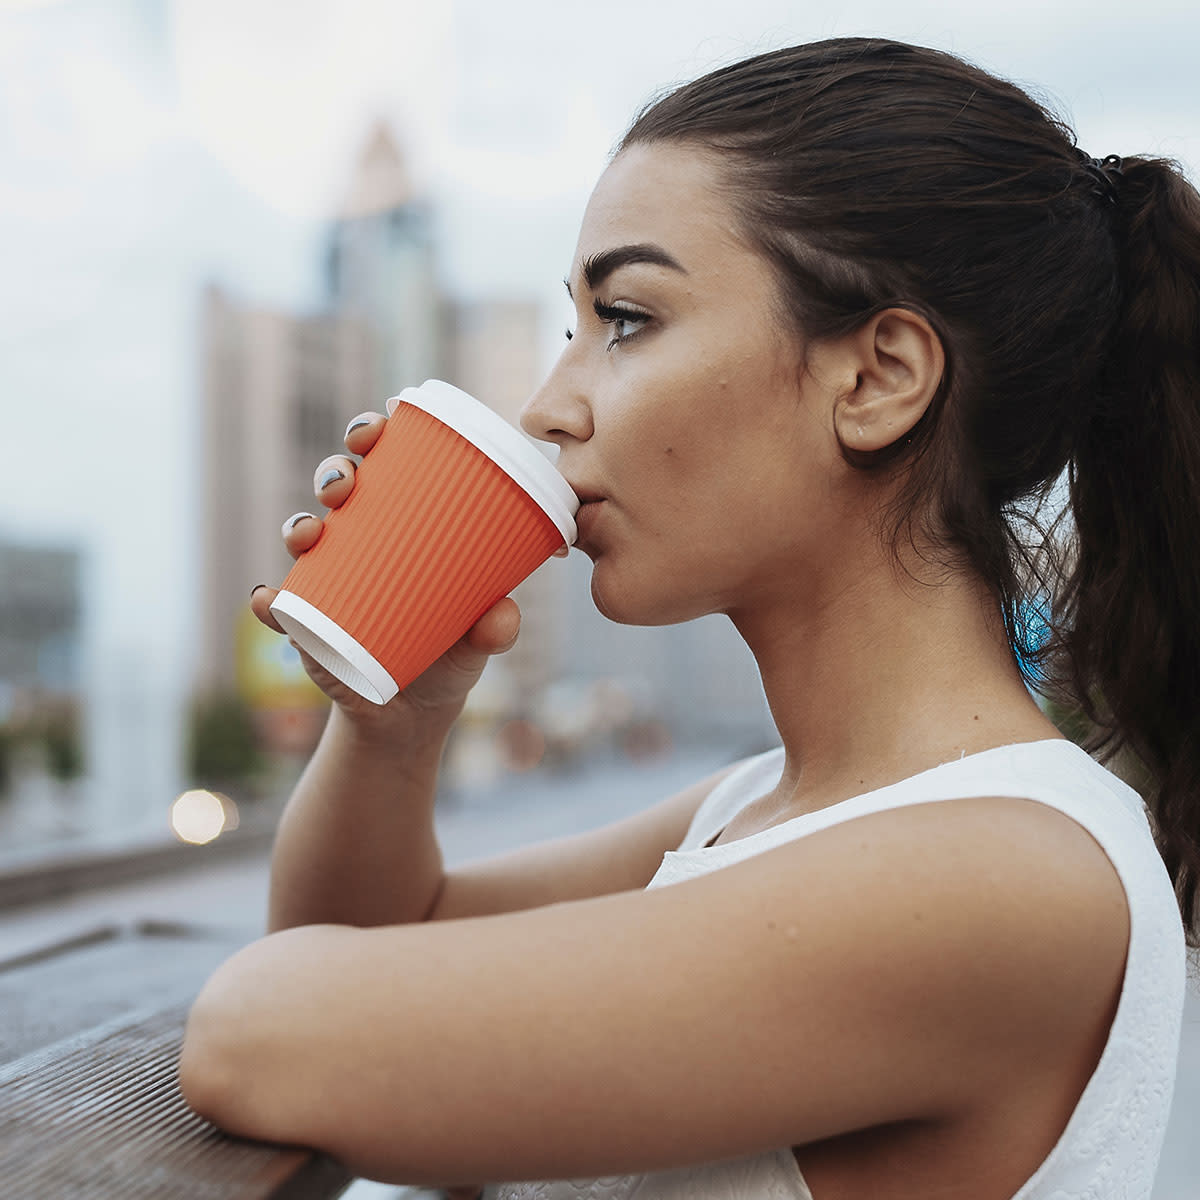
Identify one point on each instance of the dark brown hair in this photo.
(1066, 292)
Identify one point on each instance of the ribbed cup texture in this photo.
(432, 536)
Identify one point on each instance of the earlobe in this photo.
(899, 362)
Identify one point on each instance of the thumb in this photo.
(496, 631)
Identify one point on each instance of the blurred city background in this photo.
(228, 227)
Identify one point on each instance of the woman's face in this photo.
(703, 452)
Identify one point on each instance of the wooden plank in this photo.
(100, 1116)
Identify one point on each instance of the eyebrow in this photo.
(598, 267)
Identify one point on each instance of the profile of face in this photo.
(698, 434)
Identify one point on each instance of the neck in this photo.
(883, 677)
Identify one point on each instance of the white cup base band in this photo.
(339, 653)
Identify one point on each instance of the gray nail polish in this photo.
(294, 521)
(255, 588)
(357, 423)
(330, 476)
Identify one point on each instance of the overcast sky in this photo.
(507, 109)
(146, 145)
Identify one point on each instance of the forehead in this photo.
(666, 195)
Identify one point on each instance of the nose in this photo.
(558, 411)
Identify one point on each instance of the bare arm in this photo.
(357, 844)
(777, 1002)
(619, 857)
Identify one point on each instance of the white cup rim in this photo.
(490, 433)
(339, 652)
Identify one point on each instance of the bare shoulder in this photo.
(1002, 952)
(1013, 889)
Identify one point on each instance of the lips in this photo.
(586, 495)
(591, 500)
(590, 507)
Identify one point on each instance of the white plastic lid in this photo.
(505, 446)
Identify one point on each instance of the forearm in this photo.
(356, 843)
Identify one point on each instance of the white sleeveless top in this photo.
(1110, 1147)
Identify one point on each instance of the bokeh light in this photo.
(200, 816)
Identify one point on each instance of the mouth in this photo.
(590, 505)
(586, 495)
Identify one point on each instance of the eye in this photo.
(626, 322)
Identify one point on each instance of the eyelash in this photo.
(610, 314)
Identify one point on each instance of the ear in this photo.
(896, 361)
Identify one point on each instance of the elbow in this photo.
(240, 1040)
(212, 1063)
(246, 1036)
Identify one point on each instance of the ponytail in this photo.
(1066, 292)
(1130, 610)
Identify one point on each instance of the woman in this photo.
(841, 310)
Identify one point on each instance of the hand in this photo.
(441, 691)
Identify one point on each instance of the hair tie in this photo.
(1107, 174)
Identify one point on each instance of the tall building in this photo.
(41, 618)
(381, 269)
(278, 391)
(279, 388)
(493, 356)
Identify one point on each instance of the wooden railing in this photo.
(90, 1030)
(99, 1115)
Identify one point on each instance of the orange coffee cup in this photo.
(451, 509)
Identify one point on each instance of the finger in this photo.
(300, 532)
(364, 431)
(496, 631)
(333, 480)
(261, 599)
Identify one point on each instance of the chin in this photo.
(627, 606)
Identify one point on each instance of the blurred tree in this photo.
(62, 743)
(6, 757)
(222, 744)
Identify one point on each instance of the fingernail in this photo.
(330, 476)
(357, 423)
(293, 521)
(255, 589)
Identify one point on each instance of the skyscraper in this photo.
(279, 388)
(380, 268)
